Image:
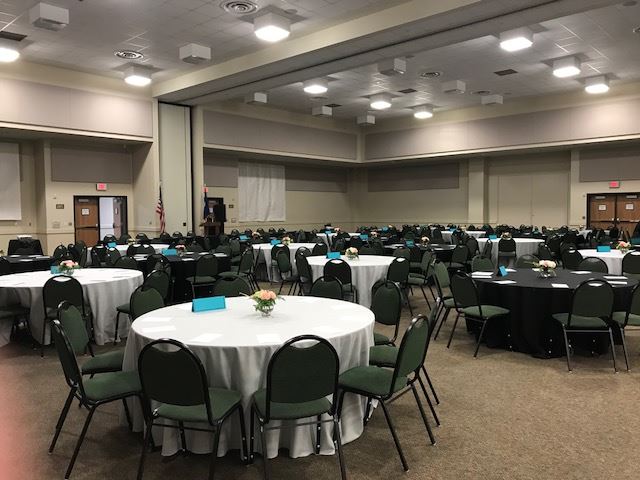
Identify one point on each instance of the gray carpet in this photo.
(504, 416)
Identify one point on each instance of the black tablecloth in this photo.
(27, 263)
(24, 247)
(532, 300)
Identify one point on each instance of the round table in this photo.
(104, 289)
(235, 345)
(446, 234)
(532, 300)
(29, 263)
(264, 256)
(524, 246)
(613, 259)
(365, 271)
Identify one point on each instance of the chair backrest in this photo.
(526, 261)
(231, 286)
(412, 350)
(482, 264)
(319, 249)
(487, 249)
(327, 287)
(74, 326)
(460, 254)
(171, 374)
(144, 299)
(398, 270)
(339, 269)
(195, 248)
(436, 235)
(5, 266)
(142, 236)
(304, 369)
(634, 304)
(304, 270)
(464, 291)
(234, 243)
(157, 261)
(426, 263)
(59, 252)
(60, 288)
(472, 245)
(124, 239)
(593, 264)
(207, 266)
(67, 357)
(592, 298)
(507, 245)
(442, 276)
(126, 262)
(631, 263)
(276, 249)
(160, 280)
(247, 261)
(109, 238)
(402, 252)
(571, 259)
(303, 251)
(98, 255)
(386, 303)
(544, 252)
(283, 260)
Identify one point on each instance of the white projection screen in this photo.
(10, 207)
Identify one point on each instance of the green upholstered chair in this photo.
(341, 270)
(422, 279)
(571, 259)
(144, 299)
(126, 262)
(300, 376)
(482, 264)
(92, 392)
(591, 311)
(459, 258)
(628, 318)
(229, 286)
(206, 273)
(305, 274)
(285, 269)
(443, 282)
(593, 264)
(327, 287)
(631, 264)
(398, 272)
(174, 379)
(527, 261)
(467, 303)
(245, 268)
(386, 305)
(385, 385)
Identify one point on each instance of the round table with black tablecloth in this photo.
(29, 263)
(532, 300)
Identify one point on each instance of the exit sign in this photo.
(101, 187)
(614, 184)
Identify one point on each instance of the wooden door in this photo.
(87, 219)
(602, 211)
(627, 211)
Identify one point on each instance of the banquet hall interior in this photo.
(319, 239)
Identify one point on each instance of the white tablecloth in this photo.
(264, 256)
(524, 246)
(104, 289)
(613, 259)
(235, 346)
(365, 271)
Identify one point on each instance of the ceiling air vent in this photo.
(407, 91)
(508, 71)
(128, 54)
(16, 37)
(239, 7)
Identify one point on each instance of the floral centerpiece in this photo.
(68, 267)
(131, 241)
(286, 240)
(623, 246)
(547, 268)
(506, 236)
(374, 234)
(180, 249)
(425, 240)
(265, 301)
(336, 230)
(351, 253)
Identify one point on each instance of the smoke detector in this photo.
(454, 86)
(366, 120)
(49, 17)
(194, 53)
(492, 99)
(322, 111)
(256, 98)
(392, 67)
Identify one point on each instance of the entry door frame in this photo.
(125, 208)
(616, 215)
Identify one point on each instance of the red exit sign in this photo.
(614, 184)
(101, 187)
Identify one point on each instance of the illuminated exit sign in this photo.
(101, 187)
(614, 184)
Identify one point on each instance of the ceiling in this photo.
(158, 28)
(603, 38)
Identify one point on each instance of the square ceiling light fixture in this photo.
(316, 86)
(566, 67)
(9, 50)
(367, 119)
(423, 112)
(381, 101)
(517, 39)
(596, 85)
(137, 76)
(49, 17)
(271, 27)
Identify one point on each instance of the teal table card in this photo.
(603, 248)
(169, 251)
(327, 232)
(364, 237)
(244, 238)
(635, 241)
(410, 243)
(333, 255)
(385, 229)
(275, 241)
(502, 271)
(493, 237)
(452, 230)
(112, 244)
(55, 269)
(208, 303)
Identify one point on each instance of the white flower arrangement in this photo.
(546, 265)
(351, 253)
(505, 236)
(425, 240)
(623, 246)
(286, 240)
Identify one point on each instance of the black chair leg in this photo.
(281, 285)
(433, 390)
(453, 330)
(145, 447)
(214, 453)
(265, 455)
(367, 412)
(127, 413)
(395, 437)
(251, 436)
(338, 442)
(424, 294)
(423, 415)
(444, 319)
(44, 330)
(613, 351)
(484, 324)
(61, 419)
(624, 348)
(183, 438)
(426, 395)
(566, 347)
(318, 433)
(80, 440)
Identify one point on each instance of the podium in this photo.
(211, 228)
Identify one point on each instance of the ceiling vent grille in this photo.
(239, 7)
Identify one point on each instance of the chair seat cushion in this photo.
(488, 311)
(578, 321)
(448, 302)
(201, 280)
(380, 339)
(456, 265)
(347, 287)
(105, 362)
(506, 254)
(371, 380)
(415, 265)
(124, 308)
(383, 356)
(221, 400)
(112, 385)
(620, 317)
(416, 279)
(284, 411)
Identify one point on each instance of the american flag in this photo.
(160, 211)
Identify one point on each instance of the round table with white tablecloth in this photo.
(235, 345)
(446, 234)
(365, 271)
(264, 256)
(613, 259)
(104, 289)
(524, 246)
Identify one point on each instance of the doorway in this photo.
(96, 216)
(621, 210)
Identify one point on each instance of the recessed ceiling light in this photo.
(423, 112)
(128, 54)
(566, 67)
(9, 51)
(137, 76)
(271, 27)
(315, 86)
(517, 39)
(381, 101)
(482, 92)
(430, 74)
(595, 85)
